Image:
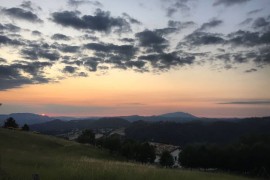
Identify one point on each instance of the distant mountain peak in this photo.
(178, 115)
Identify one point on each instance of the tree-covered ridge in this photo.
(198, 131)
(250, 155)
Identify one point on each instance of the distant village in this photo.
(107, 132)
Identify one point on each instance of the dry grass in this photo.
(23, 154)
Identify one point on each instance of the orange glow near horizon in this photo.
(128, 93)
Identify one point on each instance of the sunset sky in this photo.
(124, 57)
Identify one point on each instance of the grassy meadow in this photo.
(26, 153)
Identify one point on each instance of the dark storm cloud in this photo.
(232, 58)
(9, 28)
(33, 68)
(65, 48)
(91, 63)
(261, 23)
(224, 57)
(128, 40)
(77, 3)
(125, 51)
(211, 24)
(254, 11)
(38, 44)
(117, 61)
(19, 13)
(137, 64)
(165, 31)
(247, 38)
(229, 2)
(11, 78)
(221, 49)
(89, 37)
(202, 38)
(47, 54)
(256, 102)
(152, 40)
(39, 52)
(244, 38)
(67, 60)
(11, 75)
(36, 33)
(251, 70)
(2, 60)
(82, 74)
(239, 58)
(28, 5)
(4, 40)
(171, 11)
(60, 37)
(180, 25)
(246, 21)
(262, 56)
(14, 35)
(118, 56)
(70, 69)
(165, 61)
(68, 48)
(175, 6)
(101, 21)
(131, 19)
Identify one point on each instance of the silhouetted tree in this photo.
(113, 143)
(146, 153)
(10, 122)
(141, 152)
(25, 127)
(129, 149)
(166, 159)
(87, 136)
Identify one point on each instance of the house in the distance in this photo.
(174, 151)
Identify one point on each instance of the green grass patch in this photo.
(25, 153)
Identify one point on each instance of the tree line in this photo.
(11, 123)
(182, 134)
(130, 149)
(250, 156)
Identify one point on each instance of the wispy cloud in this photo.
(132, 104)
(255, 102)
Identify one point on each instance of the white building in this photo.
(174, 151)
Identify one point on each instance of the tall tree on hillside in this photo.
(166, 159)
(146, 153)
(113, 143)
(25, 127)
(10, 122)
(87, 136)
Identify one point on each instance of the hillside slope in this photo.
(23, 154)
(58, 127)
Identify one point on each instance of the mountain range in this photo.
(60, 127)
(30, 118)
(25, 118)
(174, 117)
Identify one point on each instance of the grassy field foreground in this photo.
(25, 153)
